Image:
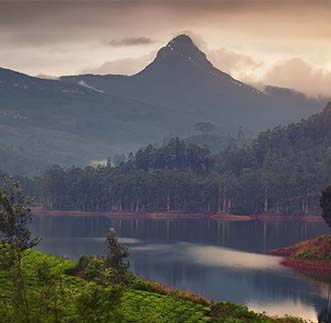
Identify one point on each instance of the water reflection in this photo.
(222, 260)
(296, 308)
(324, 315)
(250, 236)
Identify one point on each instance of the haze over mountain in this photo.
(88, 117)
(183, 81)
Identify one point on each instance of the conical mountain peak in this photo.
(184, 45)
(182, 40)
(181, 51)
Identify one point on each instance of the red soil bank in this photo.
(311, 256)
(226, 217)
(171, 215)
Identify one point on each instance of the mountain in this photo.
(50, 121)
(77, 119)
(183, 82)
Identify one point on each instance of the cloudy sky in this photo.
(284, 42)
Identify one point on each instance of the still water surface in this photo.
(221, 260)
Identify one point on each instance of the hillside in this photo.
(56, 122)
(73, 299)
(78, 119)
(311, 256)
(182, 81)
(281, 172)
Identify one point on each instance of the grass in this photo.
(141, 301)
(316, 251)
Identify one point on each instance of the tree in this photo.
(50, 299)
(325, 203)
(117, 255)
(96, 303)
(118, 159)
(204, 127)
(15, 238)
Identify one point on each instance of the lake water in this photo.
(221, 260)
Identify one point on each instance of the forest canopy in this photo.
(281, 172)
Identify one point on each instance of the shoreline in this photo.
(38, 211)
(304, 267)
(291, 257)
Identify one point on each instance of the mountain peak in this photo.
(182, 43)
(182, 50)
(182, 40)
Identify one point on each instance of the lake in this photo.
(220, 260)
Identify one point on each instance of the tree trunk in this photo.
(168, 201)
(219, 201)
(307, 206)
(266, 204)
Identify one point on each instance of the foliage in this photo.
(204, 127)
(77, 300)
(315, 251)
(165, 309)
(228, 312)
(280, 172)
(15, 238)
(117, 257)
(325, 204)
(139, 283)
(14, 217)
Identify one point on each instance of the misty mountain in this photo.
(49, 121)
(183, 82)
(81, 118)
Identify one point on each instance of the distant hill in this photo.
(281, 172)
(182, 82)
(59, 122)
(76, 119)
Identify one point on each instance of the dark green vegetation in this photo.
(55, 295)
(38, 288)
(280, 172)
(325, 204)
(312, 257)
(77, 119)
(315, 251)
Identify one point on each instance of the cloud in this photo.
(297, 74)
(44, 22)
(131, 41)
(245, 38)
(126, 66)
(47, 77)
(239, 65)
(294, 73)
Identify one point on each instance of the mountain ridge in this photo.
(181, 78)
(179, 88)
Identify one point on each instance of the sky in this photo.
(285, 43)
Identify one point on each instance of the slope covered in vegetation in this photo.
(280, 172)
(308, 256)
(56, 292)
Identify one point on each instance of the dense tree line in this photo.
(281, 172)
